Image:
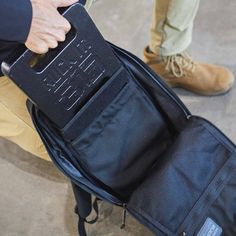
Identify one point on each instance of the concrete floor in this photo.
(35, 199)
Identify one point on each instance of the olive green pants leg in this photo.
(172, 25)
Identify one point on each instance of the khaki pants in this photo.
(15, 121)
(171, 33)
(172, 25)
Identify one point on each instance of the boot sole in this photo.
(177, 85)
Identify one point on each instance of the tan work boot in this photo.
(181, 71)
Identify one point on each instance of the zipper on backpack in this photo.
(172, 96)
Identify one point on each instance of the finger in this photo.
(65, 24)
(64, 3)
(60, 36)
(40, 48)
(54, 34)
(52, 43)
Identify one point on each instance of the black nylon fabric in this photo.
(120, 147)
(145, 149)
(223, 208)
(177, 184)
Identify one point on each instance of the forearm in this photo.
(15, 19)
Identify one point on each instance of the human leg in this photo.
(15, 121)
(171, 34)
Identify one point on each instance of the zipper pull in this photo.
(124, 216)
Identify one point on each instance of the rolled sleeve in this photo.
(15, 20)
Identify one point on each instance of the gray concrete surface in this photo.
(36, 200)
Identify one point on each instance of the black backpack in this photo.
(126, 138)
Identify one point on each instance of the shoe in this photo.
(181, 71)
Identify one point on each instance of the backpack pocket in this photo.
(179, 191)
(119, 145)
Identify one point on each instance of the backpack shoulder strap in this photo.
(84, 207)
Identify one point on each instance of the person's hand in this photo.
(48, 27)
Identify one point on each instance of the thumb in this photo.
(64, 3)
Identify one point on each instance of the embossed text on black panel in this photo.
(83, 65)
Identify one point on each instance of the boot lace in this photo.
(178, 64)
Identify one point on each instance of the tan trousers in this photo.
(15, 121)
(171, 33)
(172, 25)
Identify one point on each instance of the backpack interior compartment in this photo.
(182, 186)
(121, 144)
(223, 209)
